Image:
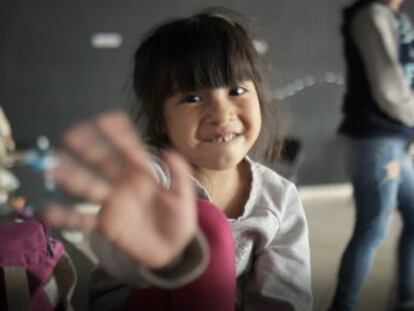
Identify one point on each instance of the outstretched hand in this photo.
(107, 163)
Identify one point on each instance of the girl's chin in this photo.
(218, 163)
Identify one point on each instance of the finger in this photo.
(59, 216)
(118, 129)
(87, 143)
(181, 181)
(76, 179)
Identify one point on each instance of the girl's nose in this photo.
(220, 111)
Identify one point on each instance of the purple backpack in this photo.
(37, 274)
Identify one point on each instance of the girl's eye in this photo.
(191, 98)
(237, 91)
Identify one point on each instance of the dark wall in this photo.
(51, 75)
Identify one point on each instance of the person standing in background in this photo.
(378, 125)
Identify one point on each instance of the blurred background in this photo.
(63, 61)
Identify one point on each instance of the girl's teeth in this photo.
(223, 139)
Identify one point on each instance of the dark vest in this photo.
(362, 115)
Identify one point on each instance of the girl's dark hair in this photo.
(208, 49)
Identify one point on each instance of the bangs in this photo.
(207, 54)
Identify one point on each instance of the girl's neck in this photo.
(228, 189)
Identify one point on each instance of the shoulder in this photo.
(268, 177)
(376, 13)
(273, 191)
(375, 9)
(376, 24)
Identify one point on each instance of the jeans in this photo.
(382, 174)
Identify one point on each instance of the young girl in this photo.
(201, 90)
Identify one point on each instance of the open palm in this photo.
(108, 164)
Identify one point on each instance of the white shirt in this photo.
(271, 242)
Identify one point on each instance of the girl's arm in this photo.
(374, 30)
(281, 277)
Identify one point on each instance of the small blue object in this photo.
(39, 161)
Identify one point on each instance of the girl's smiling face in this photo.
(214, 128)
